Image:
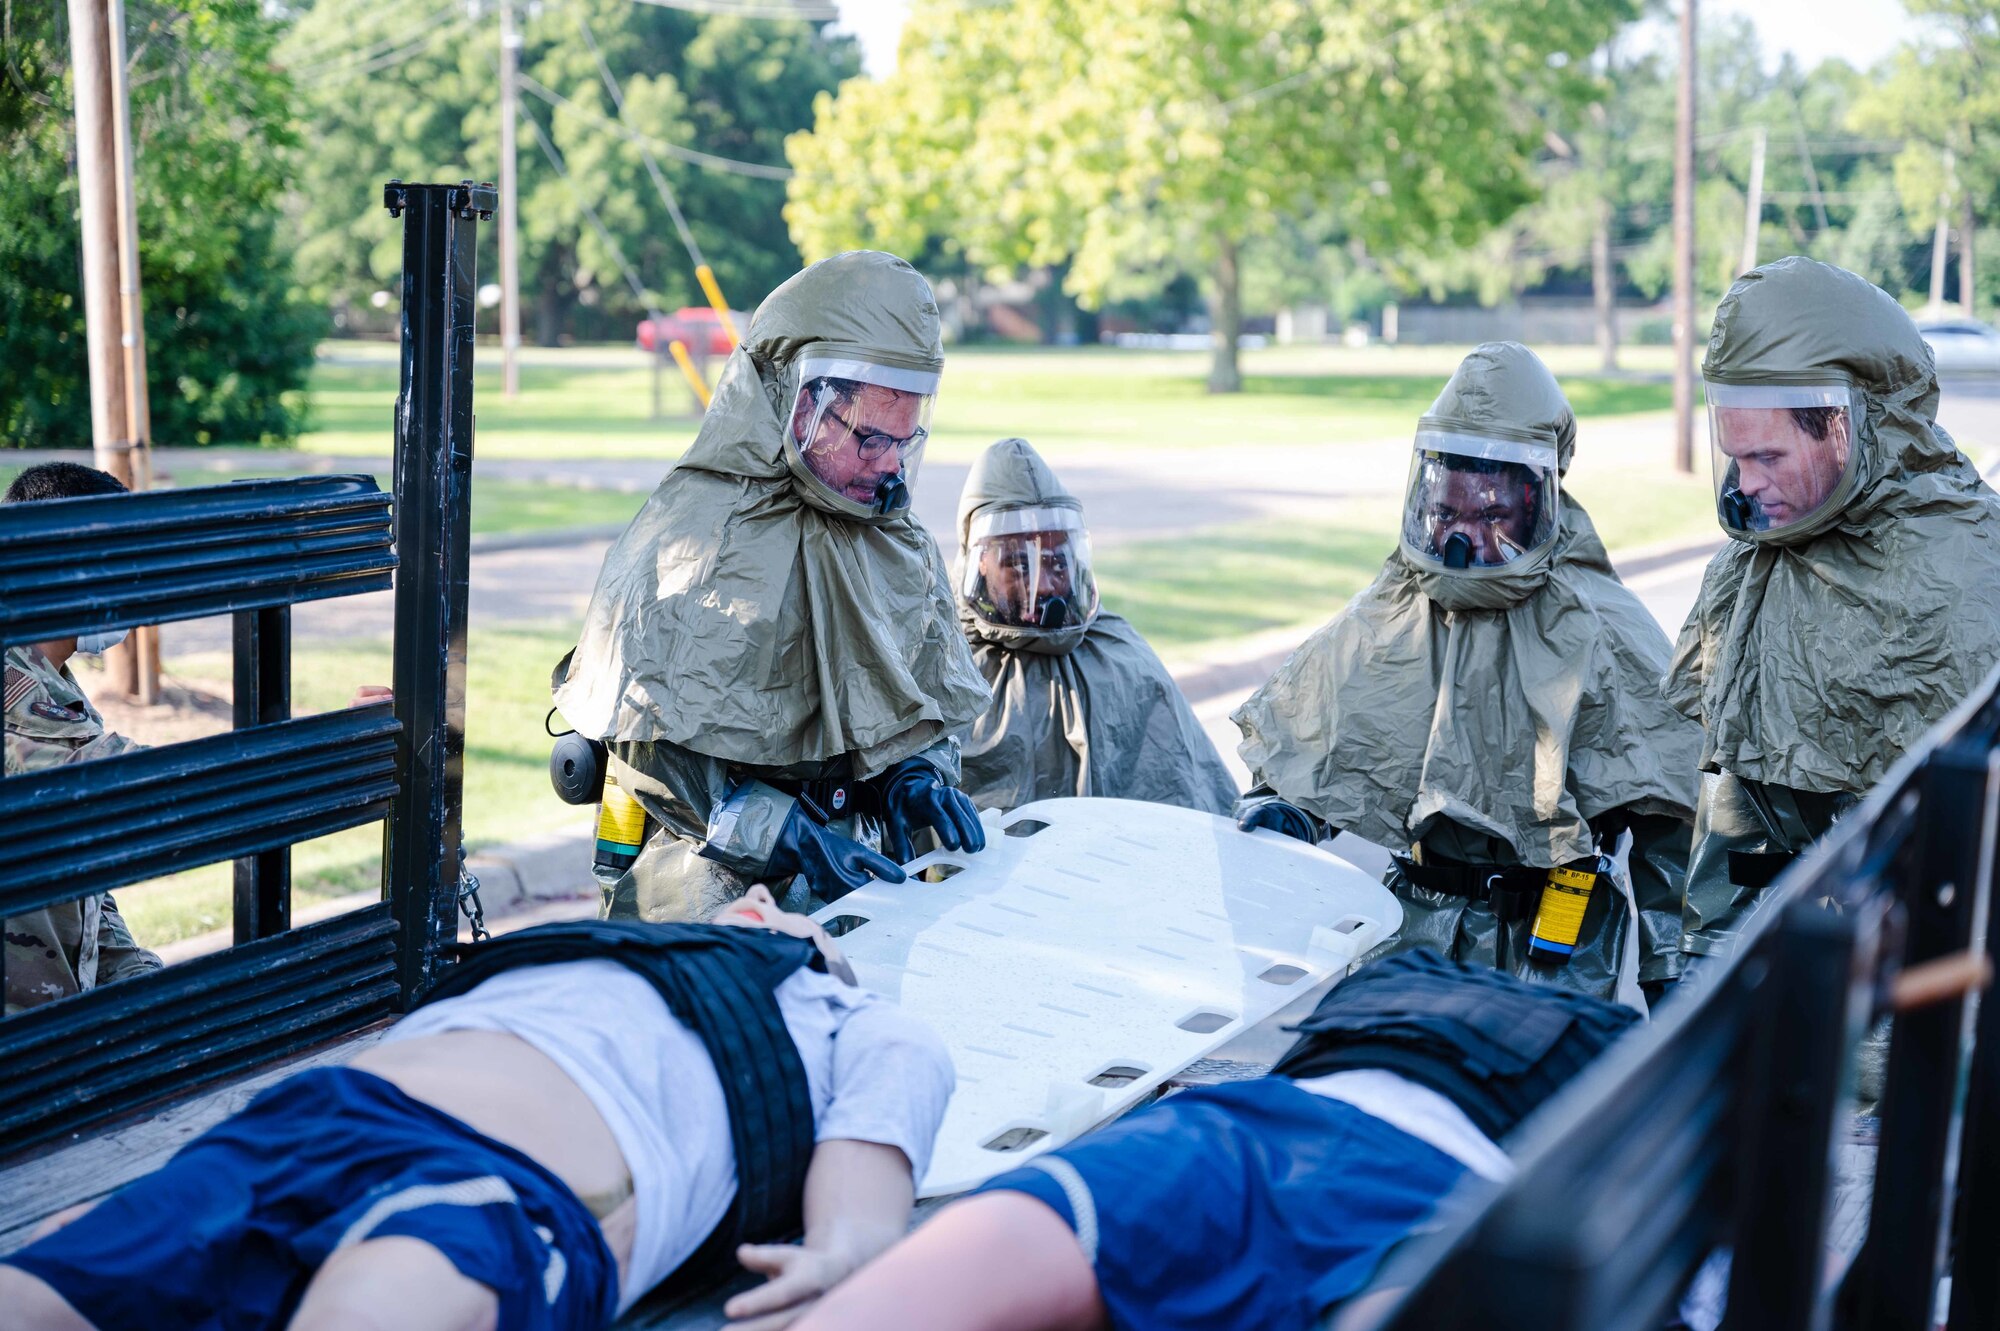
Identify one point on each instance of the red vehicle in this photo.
(697, 325)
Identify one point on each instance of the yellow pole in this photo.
(681, 358)
(706, 276)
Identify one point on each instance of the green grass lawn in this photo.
(507, 793)
(596, 402)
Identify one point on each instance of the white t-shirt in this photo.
(876, 1074)
(1418, 1110)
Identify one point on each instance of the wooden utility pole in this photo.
(510, 216)
(1684, 108)
(115, 333)
(1753, 210)
(145, 640)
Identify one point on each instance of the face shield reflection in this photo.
(1479, 502)
(1029, 568)
(1779, 451)
(860, 429)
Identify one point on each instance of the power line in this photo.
(384, 46)
(707, 161)
(603, 232)
(645, 153)
(342, 72)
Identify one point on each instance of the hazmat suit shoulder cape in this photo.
(1086, 709)
(745, 615)
(1516, 702)
(1815, 658)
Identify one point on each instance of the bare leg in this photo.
(32, 1306)
(1001, 1261)
(394, 1284)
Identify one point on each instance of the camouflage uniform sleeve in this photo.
(49, 721)
(119, 956)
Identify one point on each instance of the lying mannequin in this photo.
(1259, 1204)
(544, 1140)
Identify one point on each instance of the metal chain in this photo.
(469, 904)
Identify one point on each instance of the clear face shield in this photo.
(860, 429)
(1477, 501)
(1029, 568)
(1780, 451)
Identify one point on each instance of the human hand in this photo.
(795, 1278)
(914, 794)
(833, 865)
(368, 693)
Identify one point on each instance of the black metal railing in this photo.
(253, 550)
(1716, 1128)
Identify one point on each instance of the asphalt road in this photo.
(1128, 493)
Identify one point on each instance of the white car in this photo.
(1963, 346)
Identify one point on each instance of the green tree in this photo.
(401, 88)
(1941, 96)
(1140, 139)
(227, 339)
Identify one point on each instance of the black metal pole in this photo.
(421, 850)
(1975, 1280)
(1796, 1059)
(263, 695)
(1903, 1258)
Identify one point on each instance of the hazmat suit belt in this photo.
(1511, 889)
(1758, 869)
(828, 799)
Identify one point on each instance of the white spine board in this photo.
(1120, 935)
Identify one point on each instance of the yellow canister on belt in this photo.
(1559, 917)
(621, 830)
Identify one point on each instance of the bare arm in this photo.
(857, 1203)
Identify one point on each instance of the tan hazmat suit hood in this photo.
(1517, 702)
(1086, 709)
(748, 613)
(1815, 659)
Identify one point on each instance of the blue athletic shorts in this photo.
(1252, 1205)
(228, 1233)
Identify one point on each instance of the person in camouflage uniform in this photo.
(71, 946)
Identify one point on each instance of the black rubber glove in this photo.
(831, 864)
(1280, 816)
(915, 794)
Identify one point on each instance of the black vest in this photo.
(1495, 1046)
(720, 982)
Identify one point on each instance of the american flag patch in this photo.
(19, 685)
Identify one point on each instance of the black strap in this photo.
(1511, 889)
(1758, 869)
(720, 982)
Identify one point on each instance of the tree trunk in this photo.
(551, 304)
(1604, 287)
(1226, 312)
(1968, 273)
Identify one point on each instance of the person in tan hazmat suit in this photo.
(1489, 709)
(1858, 600)
(1081, 705)
(771, 655)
